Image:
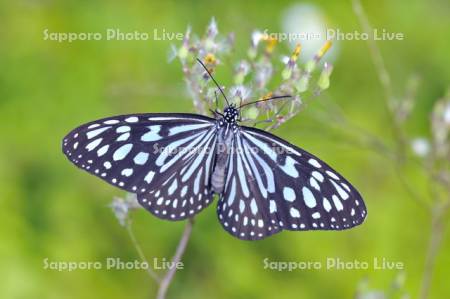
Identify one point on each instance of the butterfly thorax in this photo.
(228, 119)
(230, 114)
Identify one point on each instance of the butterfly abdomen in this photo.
(223, 146)
(218, 180)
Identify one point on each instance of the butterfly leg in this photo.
(216, 113)
(239, 110)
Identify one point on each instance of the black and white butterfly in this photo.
(176, 162)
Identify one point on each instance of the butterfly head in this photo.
(230, 114)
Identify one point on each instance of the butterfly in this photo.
(176, 162)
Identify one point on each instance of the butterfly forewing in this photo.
(165, 158)
(272, 185)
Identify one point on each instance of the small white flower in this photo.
(240, 91)
(446, 114)
(243, 67)
(420, 146)
(263, 74)
(120, 209)
(212, 28)
(257, 36)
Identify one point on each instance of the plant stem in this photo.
(438, 209)
(383, 76)
(136, 245)
(437, 231)
(167, 279)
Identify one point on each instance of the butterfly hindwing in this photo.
(183, 186)
(272, 185)
(165, 158)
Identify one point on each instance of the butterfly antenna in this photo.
(265, 100)
(215, 82)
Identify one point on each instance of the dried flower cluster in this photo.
(396, 289)
(434, 150)
(440, 125)
(122, 206)
(253, 76)
(251, 81)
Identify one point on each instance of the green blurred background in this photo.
(52, 210)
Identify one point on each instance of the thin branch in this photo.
(167, 279)
(383, 76)
(437, 231)
(136, 245)
(377, 58)
(438, 210)
(412, 193)
(372, 142)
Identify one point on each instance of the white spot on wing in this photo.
(272, 206)
(93, 144)
(173, 186)
(185, 128)
(242, 177)
(241, 206)
(93, 126)
(326, 205)
(184, 191)
(232, 192)
(111, 122)
(294, 213)
(101, 151)
(132, 119)
(122, 151)
(308, 197)
(332, 174)
(344, 195)
(337, 203)
(149, 177)
(197, 181)
(289, 168)
(253, 207)
(123, 137)
(152, 135)
(141, 158)
(93, 133)
(314, 183)
(127, 172)
(289, 194)
(346, 187)
(314, 163)
(123, 129)
(317, 175)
